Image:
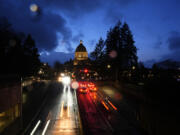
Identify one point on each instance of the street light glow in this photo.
(62, 74)
(108, 66)
(60, 79)
(66, 80)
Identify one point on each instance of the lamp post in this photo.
(108, 66)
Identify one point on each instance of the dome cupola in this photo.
(81, 47)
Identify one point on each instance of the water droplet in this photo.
(113, 54)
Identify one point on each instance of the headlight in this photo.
(66, 80)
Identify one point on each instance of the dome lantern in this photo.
(81, 47)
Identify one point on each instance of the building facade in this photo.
(81, 54)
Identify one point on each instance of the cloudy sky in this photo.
(58, 25)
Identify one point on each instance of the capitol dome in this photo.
(81, 53)
(81, 47)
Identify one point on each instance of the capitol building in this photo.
(81, 55)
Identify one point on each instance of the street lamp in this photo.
(108, 66)
(133, 67)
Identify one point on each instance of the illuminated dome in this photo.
(81, 54)
(81, 47)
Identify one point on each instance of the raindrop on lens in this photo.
(33, 7)
(75, 85)
(113, 54)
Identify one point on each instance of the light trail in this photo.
(68, 113)
(62, 107)
(37, 124)
(107, 108)
(69, 101)
(64, 89)
(47, 124)
(112, 105)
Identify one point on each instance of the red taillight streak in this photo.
(107, 108)
(112, 105)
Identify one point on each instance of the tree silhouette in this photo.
(129, 50)
(99, 51)
(98, 56)
(17, 55)
(31, 54)
(58, 67)
(120, 49)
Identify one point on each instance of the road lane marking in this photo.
(47, 124)
(37, 124)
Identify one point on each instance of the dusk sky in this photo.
(59, 25)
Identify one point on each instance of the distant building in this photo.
(81, 54)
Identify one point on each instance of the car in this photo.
(93, 89)
(82, 84)
(91, 85)
(83, 89)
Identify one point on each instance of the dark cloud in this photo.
(113, 16)
(77, 8)
(173, 55)
(113, 13)
(78, 37)
(53, 56)
(174, 40)
(43, 26)
(158, 43)
(73, 8)
(125, 2)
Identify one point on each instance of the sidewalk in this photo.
(13, 128)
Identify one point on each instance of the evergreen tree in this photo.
(31, 54)
(129, 50)
(17, 57)
(120, 48)
(98, 56)
(98, 53)
(58, 67)
(114, 49)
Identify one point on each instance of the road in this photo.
(123, 117)
(93, 121)
(69, 112)
(104, 114)
(59, 114)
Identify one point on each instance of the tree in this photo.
(120, 48)
(17, 57)
(99, 51)
(58, 67)
(129, 50)
(98, 56)
(31, 54)
(68, 65)
(114, 49)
